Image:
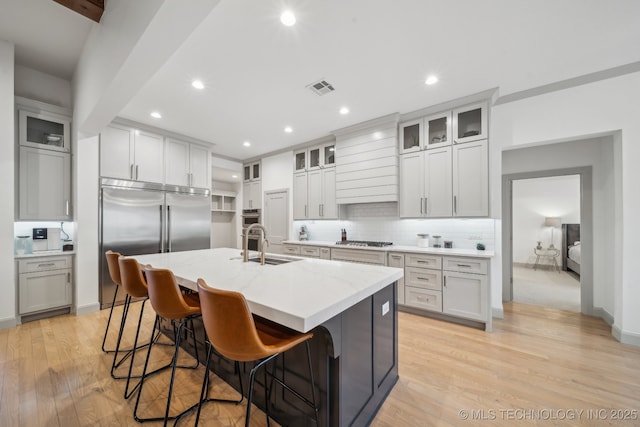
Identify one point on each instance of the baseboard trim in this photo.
(9, 322)
(629, 338)
(603, 314)
(88, 308)
(497, 313)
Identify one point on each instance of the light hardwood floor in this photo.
(539, 367)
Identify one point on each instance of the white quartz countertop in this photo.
(301, 294)
(400, 248)
(39, 254)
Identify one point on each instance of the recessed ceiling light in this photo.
(288, 129)
(288, 18)
(234, 176)
(344, 110)
(431, 80)
(156, 115)
(197, 84)
(246, 144)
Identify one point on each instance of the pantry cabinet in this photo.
(314, 183)
(131, 154)
(470, 179)
(321, 194)
(252, 186)
(300, 202)
(186, 164)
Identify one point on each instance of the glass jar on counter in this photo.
(437, 241)
(423, 240)
(23, 245)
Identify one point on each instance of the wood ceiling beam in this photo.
(91, 9)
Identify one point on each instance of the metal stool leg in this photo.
(106, 330)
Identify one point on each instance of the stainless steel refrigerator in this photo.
(142, 218)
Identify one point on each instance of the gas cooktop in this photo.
(363, 243)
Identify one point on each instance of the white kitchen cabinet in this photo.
(321, 194)
(423, 281)
(426, 184)
(300, 202)
(44, 283)
(470, 123)
(45, 185)
(290, 249)
(470, 179)
(411, 136)
(44, 130)
(126, 153)
(325, 253)
(252, 195)
(251, 172)
(397, 260)
(186, 164)
(465, 288)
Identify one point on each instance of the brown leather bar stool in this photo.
(135, 284)
(114, 272)
(236, 334)
(170, 303)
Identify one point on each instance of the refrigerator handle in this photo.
(168, 228)
(161, 232)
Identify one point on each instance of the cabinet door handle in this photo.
(395, 256)
(421, 206)
(421, 261)
(464, 265)
(67, 207)
(48, 264)
(444, 281)
(426, 279)
(131, 172)
(68, 277)
(426, 205)
(455, 205)
(136, 172)
(305, 211)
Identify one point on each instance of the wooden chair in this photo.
(234, 332)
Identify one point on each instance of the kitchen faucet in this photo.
(245, 250)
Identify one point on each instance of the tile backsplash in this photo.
(380, 221)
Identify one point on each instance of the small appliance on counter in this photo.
(448, 244)
(423, 240)
(46, 239)
(23, 245)
(304, 234)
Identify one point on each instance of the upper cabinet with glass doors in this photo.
(252, 172)
(44, 130)
(425, 133)
(470, 123)
(316, 157)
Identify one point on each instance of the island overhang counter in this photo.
(351, 309)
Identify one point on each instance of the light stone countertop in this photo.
(400, 248)
(44, 254)
(301, 294)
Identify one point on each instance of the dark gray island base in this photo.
(355, 359)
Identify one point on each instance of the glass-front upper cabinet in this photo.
(329, 157)
(247, 173)
(470, 123)
(256, 171)
(47, 131)
(300, 161)
(411, 136)
(314, 157)
(251, 172)
(437, 130)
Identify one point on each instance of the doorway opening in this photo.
(546, 241)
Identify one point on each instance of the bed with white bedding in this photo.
(571, 248)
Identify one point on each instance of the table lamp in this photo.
(552, 222)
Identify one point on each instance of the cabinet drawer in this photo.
(423, 261)
(423, 278)
(28, 265)
(423, 298)
(311, 251)
(466, 265)
(291, 249)
(358, 255)
(325, 253)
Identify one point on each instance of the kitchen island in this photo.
(351, 309)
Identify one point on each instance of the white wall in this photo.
(535, 199)
(7, 177)
(33, 84)
(594, 109)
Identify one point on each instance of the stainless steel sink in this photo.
(271, 260)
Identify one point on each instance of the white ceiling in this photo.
(376, 53)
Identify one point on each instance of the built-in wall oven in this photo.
(251, 216)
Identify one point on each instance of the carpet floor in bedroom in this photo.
(546, 288)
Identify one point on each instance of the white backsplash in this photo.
(380, 221)
(25, 228)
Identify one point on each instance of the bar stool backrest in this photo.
(230, 325)
(132, 278)
(114, 268)
(165, 296)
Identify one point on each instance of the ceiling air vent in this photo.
(321, 87)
